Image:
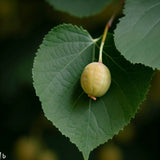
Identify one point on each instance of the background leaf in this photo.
(80, 8)
(137, 35)
(64, 53)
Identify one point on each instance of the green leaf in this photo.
(64, 53)
(80, 8)
(137, 35)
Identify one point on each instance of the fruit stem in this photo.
(108, 25)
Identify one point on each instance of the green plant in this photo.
(67, 49)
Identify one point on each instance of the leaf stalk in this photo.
(108, 25)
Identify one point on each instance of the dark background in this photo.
(25, 134)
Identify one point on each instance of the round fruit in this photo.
(95, 79)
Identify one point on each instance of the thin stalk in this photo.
(108, 25)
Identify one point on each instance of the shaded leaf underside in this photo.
(80, 8)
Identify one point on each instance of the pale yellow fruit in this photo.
(26, 148)
(95, 79)
(110, 152)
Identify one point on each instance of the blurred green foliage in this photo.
(23, 23)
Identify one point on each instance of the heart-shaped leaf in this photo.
(137, 36)
(58, 65)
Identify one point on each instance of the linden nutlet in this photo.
(95, 79)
